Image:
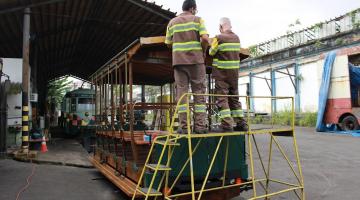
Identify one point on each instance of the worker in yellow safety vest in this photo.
(225, 49)
(187, 36)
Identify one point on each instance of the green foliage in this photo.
(258, 119)
(299, 77)
(15, 88)
(283, 118)
(253, 51)
(354, 21)
(57, 89)
(293, 27)
(339, 41)
(307, 119)
(318, 25)
(152, 92)
(318, 44)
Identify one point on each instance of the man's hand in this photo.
(204, 43)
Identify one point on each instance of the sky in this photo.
(256, 21)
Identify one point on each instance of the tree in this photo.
(57, 89)
(152, 92)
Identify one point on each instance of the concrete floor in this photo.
(52, 182)
(330, 166)
(66, 152)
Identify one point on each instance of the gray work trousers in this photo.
(195, 75)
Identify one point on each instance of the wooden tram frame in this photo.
(147, 52)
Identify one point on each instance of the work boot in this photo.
(241, 125)
(221, 129)
(181, 131)
(201, 131)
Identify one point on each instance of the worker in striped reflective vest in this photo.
(187, 36)
(225, 49)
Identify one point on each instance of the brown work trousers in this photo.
(195, 75)
(226, 83)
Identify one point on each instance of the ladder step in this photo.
(161, 167)
(153, 192)
(162, 142)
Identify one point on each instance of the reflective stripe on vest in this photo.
(200, 108)
(187, 46)
(226, 64)
(237, 113)
(190, 26)
(225, 113)
(229, 47)
(182, 108)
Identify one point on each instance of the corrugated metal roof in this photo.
(77, 36)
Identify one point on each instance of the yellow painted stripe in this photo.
(25, 118)
(25, 138)
(25, 108)
(25, 128)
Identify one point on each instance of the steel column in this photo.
(273, 90)
(251, 92)
(297, 88)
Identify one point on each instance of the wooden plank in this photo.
(123, 183)
(152, 40)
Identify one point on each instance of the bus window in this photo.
(73, 104)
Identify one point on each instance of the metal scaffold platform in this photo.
(161, 169)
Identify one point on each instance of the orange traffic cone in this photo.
(166, 191)
(43, 145)
(238, 181)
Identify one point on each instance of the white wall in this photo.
(309, 86)
(284, 88)
(260, 88)
(243, 81)
(310, 71)
(13, 68)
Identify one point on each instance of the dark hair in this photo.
(188, 4)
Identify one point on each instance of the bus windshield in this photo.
(86, 101)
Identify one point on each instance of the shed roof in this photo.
(77, 36)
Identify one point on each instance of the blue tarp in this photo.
(324, 92)
(354, 72)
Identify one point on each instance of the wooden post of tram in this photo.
(121, 103)
(112, 103)
(25, 82)
(133, 144)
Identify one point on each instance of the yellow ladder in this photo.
(167, 142)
